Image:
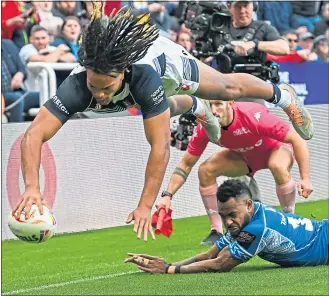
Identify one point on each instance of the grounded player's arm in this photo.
(157, 131)
(302, 156)
(43, 128)
(210, 254)
(212, 261)
(181, 172)
(224, 262)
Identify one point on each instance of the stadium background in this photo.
(100, 165)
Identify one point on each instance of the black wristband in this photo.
(167, 267)
(166, 193)
(177, 269)
(256, 41)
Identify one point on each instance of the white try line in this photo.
(45, 287)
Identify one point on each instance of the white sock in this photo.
(198, 106)
(285, 99)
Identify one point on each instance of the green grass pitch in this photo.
(91, 263)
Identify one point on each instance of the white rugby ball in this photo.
(37, 229)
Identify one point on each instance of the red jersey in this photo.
(253, 130)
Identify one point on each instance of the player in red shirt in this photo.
(252, 139)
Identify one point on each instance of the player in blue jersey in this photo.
(253, 229)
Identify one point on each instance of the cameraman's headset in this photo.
(254, 3)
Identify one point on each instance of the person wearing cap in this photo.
(321, 48)
(248, 34)
(305, 41)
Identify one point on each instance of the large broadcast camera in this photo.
(207, 21)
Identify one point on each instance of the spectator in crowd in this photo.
(50, 22)
(184, 39)
(111, 5)
(277, 12)
(321, 48)
(159, 14)
(171, 7)
(39, 49)
(13, 74)
(85, 14)
(323, 25)
(305, 41)
(295, 56)
(13, 22)
(70, 33)
(63, 9)
(305, 13)
(174, 29)
(292, 37)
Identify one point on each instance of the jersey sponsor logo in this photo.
(157, 96)
(185, 87)
(245, 237)
(246, 149)
(257, 115)
(240, 131)
(59, 104)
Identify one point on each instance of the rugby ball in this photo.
(37, 229)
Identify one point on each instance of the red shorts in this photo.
(259, 161)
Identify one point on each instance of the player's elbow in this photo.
(222, 265)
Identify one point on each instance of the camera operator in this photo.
(235, 41)
(248, 34)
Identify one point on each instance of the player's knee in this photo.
(279, 169)
(206, 173)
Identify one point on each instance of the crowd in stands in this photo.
(48, 31)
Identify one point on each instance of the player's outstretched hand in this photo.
(305, 187)
(30, 197)
(142, 217)
(165, 203)
(148, 263)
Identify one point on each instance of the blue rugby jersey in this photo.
(284, 239)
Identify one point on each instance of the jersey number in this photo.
(297, 222)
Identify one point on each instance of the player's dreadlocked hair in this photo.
(111, 44)
(232, 188)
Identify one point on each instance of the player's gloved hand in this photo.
(165, 203)
(148, 263)
(142, 217)
(305, 187)
(31, 196)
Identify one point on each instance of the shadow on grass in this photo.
(240, 269)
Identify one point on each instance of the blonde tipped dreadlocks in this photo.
(113, 44)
